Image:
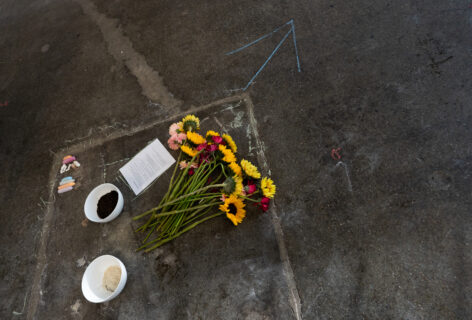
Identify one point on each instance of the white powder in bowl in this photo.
(111, 278)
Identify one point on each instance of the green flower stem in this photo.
(195, 217)
(175, 170)
(178, 211)
(153, 210)
(179, 233)
(193, 180)
(190, 202)
(149, 233)
(171, 219)
(167, 233)
(179, 190)
(249, 199)
(172, 224)
(183, 174)
(180, 198)
(144, 227)
(162, 205)
(223, 169)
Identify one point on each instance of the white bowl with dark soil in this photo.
(104, 203)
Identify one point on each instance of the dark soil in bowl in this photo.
(106, 204)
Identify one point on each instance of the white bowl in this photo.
(90, 206)
(92, 286)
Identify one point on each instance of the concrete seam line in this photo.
(288, 271)
(80, 146)
(121, 48)
(41, 256)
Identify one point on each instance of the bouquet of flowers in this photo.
(208, 181)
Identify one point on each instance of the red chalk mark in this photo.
(470, 5)
(4, 104)
(335, 154)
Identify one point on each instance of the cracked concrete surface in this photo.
(384, 232)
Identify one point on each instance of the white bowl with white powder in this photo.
(104, 279)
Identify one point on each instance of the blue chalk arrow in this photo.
(291, 31)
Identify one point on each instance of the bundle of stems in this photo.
(188, 202)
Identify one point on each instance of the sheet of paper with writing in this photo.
(147, 166)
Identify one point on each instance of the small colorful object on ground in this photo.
(65, 190)
(211, 182)
(335, 154)
(67, 183)
(66, 180)
(68, 159)
(68, 162)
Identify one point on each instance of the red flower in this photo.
(191, 172)
(250, 187)
(264, 204)
(201, 146)
(212, 147)
(217, 139)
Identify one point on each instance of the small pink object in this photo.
(217, 139)
(173, 144)
(68, 160)
(65, 190)
(174, 128)
(335, 154)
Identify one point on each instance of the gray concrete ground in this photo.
(382, 233)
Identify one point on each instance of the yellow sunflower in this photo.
(234, 209)
(191, 123)
(235, 168)
(230, 142)
(190, 151)
(268, 187)
(238, 187)
(233, 186)
(195, 137)
(211, 133)
(228, 155)
(250, 169)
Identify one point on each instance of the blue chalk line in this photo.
(267, 35)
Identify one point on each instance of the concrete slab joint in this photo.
(121, 48)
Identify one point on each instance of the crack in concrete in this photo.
(279, 233)
(121, 48)
(41, 264)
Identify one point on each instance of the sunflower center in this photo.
(232, 208)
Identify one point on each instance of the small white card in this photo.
(147, 166)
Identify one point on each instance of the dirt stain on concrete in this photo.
(121, 48)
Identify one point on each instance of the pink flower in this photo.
(173, 128)
(217, 139)
(201, 146)
(181, 137)
(185, 164)
(172, 143)
(223, 197)
(212, 148)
